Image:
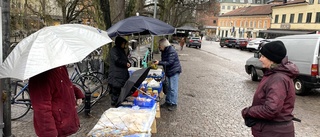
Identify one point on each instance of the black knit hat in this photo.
(120, 40)
(274, 51)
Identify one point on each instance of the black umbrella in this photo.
(140, 25)
(132, 83)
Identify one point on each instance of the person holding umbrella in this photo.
(171, 63)
(118, 70)
(54, 99)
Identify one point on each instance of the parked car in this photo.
(241, 44)
(194, 42)
(253, 45)
(303, 51)
(226, 41)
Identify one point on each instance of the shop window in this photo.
(276, 19)
(308, 17)
(300, 17)
(291, 18)
(228, 7)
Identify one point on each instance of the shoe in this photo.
(172, 107)
(165, 105)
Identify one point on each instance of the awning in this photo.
(287, 31)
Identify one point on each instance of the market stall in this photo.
(137, 111)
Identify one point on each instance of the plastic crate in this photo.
(148, 103)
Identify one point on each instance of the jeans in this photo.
(172, 94)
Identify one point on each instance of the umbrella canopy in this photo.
(132, 83)
(140, 25)
(51, 47)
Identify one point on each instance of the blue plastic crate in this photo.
(145, 104)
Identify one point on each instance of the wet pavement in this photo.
(213, 89)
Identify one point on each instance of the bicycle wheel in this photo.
(100, 75)
(91, 84)
(81, 106)
(20, 102)
(133, 61)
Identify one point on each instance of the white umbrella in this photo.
(51, 47)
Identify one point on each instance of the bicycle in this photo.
(20, 100)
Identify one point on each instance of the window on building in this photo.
(291, 18)
(234, 7)
(309, 17)
(259, 24)
(251, 24)
(222, 7)
(241, 1)
(234, 0)
(214, 22)
(311, 2)
(265, 24)
(246, 24)
(228, 7)
(300, 17)
(254, 24)
(276, 19)
(249, 1)
(283, 18)
(318, 17)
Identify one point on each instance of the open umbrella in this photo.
(51, 47)
(140, 25)
(132, 83)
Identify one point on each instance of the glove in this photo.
(249, 122)
(79, 101)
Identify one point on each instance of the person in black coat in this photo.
(118, 69)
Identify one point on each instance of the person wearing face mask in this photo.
(171, 63)
(271, 111)
(118, 72)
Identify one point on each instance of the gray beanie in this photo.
(274, 51)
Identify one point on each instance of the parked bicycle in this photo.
(20, 100)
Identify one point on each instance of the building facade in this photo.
(245, 22)
(294, 17)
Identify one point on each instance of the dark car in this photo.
(227, 41)
(241, 44)
(194, 42)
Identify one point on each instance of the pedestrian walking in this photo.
(270, 114)
(54, 99)
(182, 42)
(171, 63)
(118, 69)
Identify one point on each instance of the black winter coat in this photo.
(118, 70)
(170, 61)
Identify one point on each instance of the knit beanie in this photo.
(120, 40)
(274, 51)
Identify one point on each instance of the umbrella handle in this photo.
(144, 93)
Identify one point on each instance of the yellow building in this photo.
(294, 17)
(245, 22)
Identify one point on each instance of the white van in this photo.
(303, 50)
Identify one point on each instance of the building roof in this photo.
(251, 10)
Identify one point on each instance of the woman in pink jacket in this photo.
(53, 98)
(270, 114)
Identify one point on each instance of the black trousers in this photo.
(114, 94)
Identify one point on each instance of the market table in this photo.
(126, 121)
